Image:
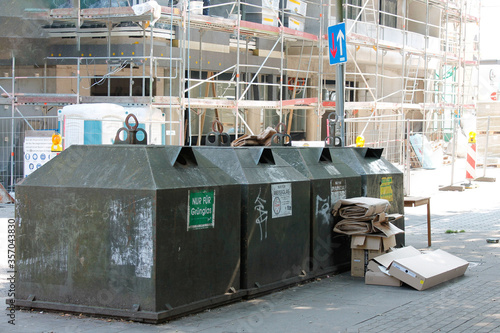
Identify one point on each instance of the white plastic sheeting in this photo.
(150, 6)
(112, 117)
(428, 158)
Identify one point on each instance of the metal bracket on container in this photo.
(281, 138)
(217, 137)
(332, 140)
(131, 133)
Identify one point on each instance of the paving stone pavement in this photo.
(343, 303)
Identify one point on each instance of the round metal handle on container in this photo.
(131, 132)
(281, 138)
(217, 137)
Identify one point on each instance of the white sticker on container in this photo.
(281, 200)
(338, 190)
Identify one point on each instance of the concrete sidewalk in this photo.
(343, 303)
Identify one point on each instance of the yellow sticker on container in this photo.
(421, 281)
(386, 188)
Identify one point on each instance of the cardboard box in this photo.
(377, 271)
(373, 242)
(378, 275)
(360, 259)
(386, 259)
(427, 270)
(366, 247)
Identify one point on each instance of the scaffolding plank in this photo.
(299, 103)
(166, 101)
(63, 13)
(262, 30)
(212, 23)
(46, 99)
(207, 103)
(106, 13)
(116, 99)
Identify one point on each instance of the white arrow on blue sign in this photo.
(337, 48)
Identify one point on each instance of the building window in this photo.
(388, 12)
(120, 87)
(353, 9)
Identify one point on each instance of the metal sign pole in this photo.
(454, 151)
(452, 187)
(408, 159)
(486, 148)
(339, 82)
(484, 178)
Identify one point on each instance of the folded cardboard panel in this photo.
(382, 224)
(378, 275)
(381, 279)
(427, 270)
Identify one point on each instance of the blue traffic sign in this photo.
(337, 48)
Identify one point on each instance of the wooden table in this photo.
(419, 201)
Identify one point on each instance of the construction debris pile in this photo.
(373, 253)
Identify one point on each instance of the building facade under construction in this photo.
(79, 67)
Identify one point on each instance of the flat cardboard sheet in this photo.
(352, 227)
(360, 208)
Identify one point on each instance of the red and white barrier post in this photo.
(470, 167)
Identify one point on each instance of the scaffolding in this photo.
(113, 24)
(425, 66)
(254, 64)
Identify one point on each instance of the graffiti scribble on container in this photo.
(262, 218)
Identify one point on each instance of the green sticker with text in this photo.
(201, 209)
